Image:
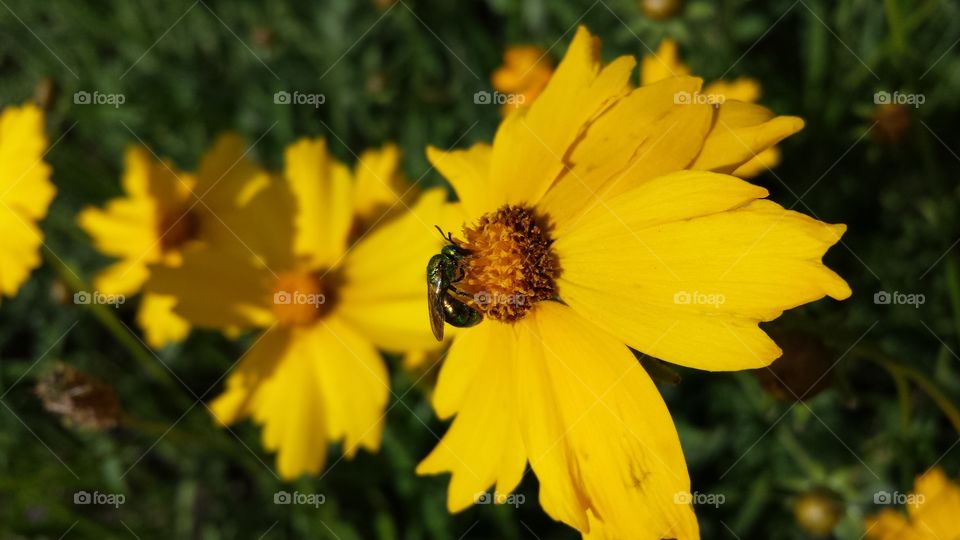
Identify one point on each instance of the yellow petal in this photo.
(144, 177)
(309, 386)
(890, 524)
(645, 135)
(482, 445)
(123, 277)
(684, 267)
(378, 182)
(217, 289)
(935, 505)
(25, 185)
(532, 143)
(19, 251)
(525, 68)
(161, 325)
(264, 229)
(759, 164)
(124, 228)
(322, 189)
(352, 379)
(740, 133)
(290, 407)
(664, 64)
(468, 171)
(227, 180)
(743, 89)
(384, 288)
(131, 226)
(253, 368)
(597, 433)
(25, 193)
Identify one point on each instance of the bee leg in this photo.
(460, 293)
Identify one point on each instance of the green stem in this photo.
(216, 441)
(932, 391)
(108, 318)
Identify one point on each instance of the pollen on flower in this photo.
(511, 266)
(178, 228)
(303, 297)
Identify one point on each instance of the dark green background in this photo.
(408, 74)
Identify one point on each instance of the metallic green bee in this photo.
(443, 272)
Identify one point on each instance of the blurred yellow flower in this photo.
(932, 512)
(25, 193)
(597, 220)
(328, 294)
(666, 63)
(525, 72)
(163, 213)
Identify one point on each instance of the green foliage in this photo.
(407, 73)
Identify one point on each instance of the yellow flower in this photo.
(25, 193)
(163, 213)
(666, 63)
(327, 294)
(525, 72)
(932, 511)
(599, 220)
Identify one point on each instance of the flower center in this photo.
(511, 266)
(303, 297)
(178, 228)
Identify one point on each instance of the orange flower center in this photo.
(303, 297)
(511, 266)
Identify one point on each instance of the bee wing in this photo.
(435, 308)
